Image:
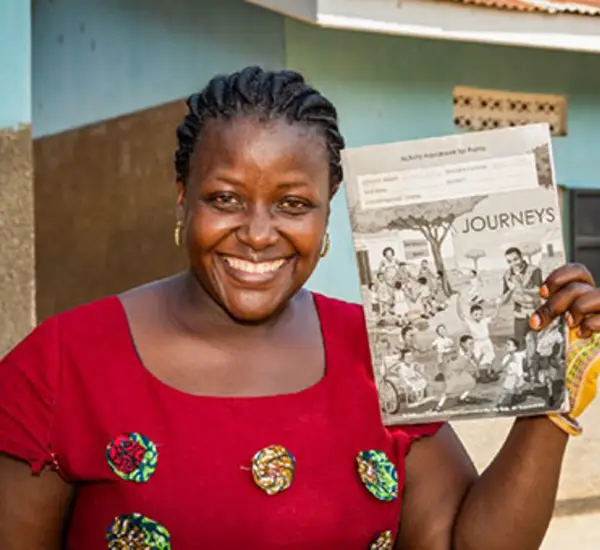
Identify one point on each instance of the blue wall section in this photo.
(15, 70)
(393, 88)
(98, 59)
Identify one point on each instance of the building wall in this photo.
(108, 80)
(17, 296)
(392, 88)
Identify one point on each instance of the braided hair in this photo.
(268, 95)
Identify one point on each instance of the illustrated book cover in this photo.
(453, 238)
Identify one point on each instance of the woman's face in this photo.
(255, 212)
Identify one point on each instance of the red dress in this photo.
(158, 468)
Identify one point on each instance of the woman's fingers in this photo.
(585, 305)
(570, 273)
(562, 301)
(589, 325)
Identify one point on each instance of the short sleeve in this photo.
(29, 379)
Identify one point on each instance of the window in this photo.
(584, 228)
(477, 109)
(416, 249)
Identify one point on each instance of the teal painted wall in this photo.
(15, 73)
(391, 88)
(99, 59)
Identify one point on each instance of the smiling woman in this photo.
(226, 406)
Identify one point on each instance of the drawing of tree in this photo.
(432, 219)
(530, 249)
(475, 255)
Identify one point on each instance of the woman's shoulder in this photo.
(93, 317)
(329, 301)
(74, 327)
(340, 313)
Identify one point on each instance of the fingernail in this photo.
(569, 320)
(535, 321)
(544, 291)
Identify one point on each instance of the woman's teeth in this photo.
(254, 267)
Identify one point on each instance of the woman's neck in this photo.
(196, 311)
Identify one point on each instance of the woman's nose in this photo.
(259, 231)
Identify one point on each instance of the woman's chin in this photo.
(254, 307)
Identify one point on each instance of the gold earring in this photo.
(178, 233)
(326, 245)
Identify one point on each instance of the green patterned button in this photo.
(378, 475)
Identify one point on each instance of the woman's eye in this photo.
(225, 202)
(294, 206)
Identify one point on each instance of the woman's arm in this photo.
(33, 509)
(446, 506)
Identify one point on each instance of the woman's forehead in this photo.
(249, 143)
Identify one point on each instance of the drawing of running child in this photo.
(479, 328)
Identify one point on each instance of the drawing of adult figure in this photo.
(521, 286)
(389, 266)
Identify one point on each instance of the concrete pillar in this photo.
(17, 275)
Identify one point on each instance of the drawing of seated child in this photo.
(462, 372)
(514, 375)
(445, 349)
(408, 376)
(479, 328)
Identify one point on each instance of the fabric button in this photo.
(132, 457)
(378, 475)
(137, 532)
(273, 469)
(384, 541)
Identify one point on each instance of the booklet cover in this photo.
(454, 237)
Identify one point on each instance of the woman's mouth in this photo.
(254, 267)
(246, 271)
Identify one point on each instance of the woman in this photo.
(226, 407)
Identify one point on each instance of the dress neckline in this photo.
(320, 385)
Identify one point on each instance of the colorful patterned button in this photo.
(137, 532)
(385, 541)
(133, 457)
(273, 469)
(378, 475)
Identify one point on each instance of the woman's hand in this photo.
(571, 291)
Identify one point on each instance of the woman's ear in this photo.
(180, 200)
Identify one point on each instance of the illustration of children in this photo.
(444, 346)
(410, 339)
(401, 307)
(479, 327)
(412, 375)
(372, 296)
(475, 285)
(462, 372)
(384, 295)
(532, 359)
(549, 351)
(514, 376)
(424, 298)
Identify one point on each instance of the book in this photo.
(453, 238)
